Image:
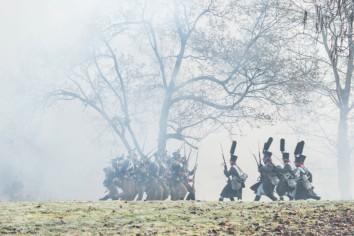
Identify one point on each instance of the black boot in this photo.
(257, 198)
(221, 199)
(192, 196)
(273, 198)
(314, 196)
(232, 199)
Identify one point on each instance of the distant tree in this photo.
(192, 68)
(329, 23)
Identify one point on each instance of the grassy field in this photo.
(177, 218)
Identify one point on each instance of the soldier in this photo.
(177, 168)
(304, 189)
(128, 177)
(111, 175)
(235, 178)
(163, 174)
(269, 178)
(189, 179)
(287, 182)
(177, 178)
(153, 187)
(140, 177)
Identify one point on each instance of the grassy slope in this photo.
(177, 218)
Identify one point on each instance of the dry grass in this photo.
(177, 218)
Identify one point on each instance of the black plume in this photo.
(267, 144)
(299, 148)
(233, 147)
(302, 146)
(282, 145)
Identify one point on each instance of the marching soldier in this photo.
(163, 174)
(111, 174)
(177, 177)
(189, 179)
(176, 167)
(287, 182)
(269, 175)
(304, 189)
(236, 178)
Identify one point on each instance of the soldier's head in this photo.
(114, 163)
(286, 157)
(233, 159)
(267, 157)
(299, 160)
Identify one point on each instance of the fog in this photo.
(58, 151)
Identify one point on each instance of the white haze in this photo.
(58, 152)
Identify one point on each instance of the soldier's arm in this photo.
(309, 175)
(263, 169)
(191, 172)
(226, 172)
(287, 168)
(233, 172)
(278, 170)
(297, 173)
(260, 168)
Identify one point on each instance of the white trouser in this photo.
(260, 190)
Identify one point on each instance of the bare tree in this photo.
(199, 66)
(333, 28)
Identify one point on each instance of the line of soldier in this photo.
(293, 182)
(150, 178)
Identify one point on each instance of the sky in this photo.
(58, 151)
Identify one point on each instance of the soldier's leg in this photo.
(141, 190)
(106, 197)
(224, 193)
(272, 197)
(188, 198)
(112, 193)
(313, 195)
(166, 191)
(259, 192)
(290, 196)
(239, 195)
(191, 196)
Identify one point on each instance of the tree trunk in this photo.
(162, 138)
(343, 156)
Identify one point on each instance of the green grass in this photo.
(177, 218)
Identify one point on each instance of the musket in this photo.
(259, 156)
(223, 156)
(255, 158)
